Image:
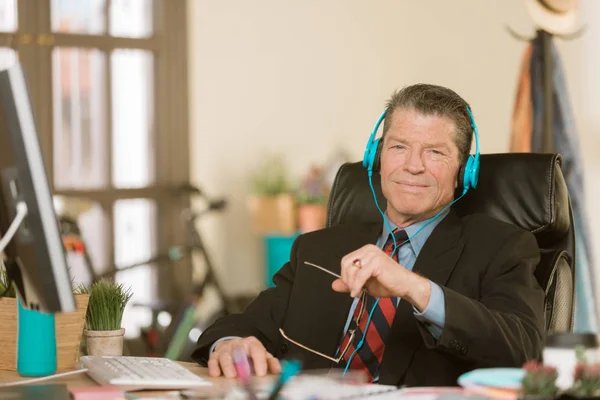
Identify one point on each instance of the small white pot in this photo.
(104, 343)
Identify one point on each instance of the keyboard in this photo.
(141, 373)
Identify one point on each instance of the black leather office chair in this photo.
(525, 189)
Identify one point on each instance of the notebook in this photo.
(35, 392)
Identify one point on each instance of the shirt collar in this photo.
(416, 242)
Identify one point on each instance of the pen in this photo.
(242, 367)
(289, 369)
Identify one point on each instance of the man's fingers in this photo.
(362, 272)
(274, 364)
(259, 357)
(351, 272)
(226, 363)
(214, 370)
(360, 281)
(339, 286)
(345, 270)
(221, 362)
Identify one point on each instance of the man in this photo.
(454, 293)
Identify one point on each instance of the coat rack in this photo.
(548, 110)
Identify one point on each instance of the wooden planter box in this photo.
(69, 329)
(273, 215)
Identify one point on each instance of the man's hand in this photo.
(371, 269)
(221, 359)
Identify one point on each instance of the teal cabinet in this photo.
(277, 253)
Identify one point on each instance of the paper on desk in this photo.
(319, 387)
(325, 388)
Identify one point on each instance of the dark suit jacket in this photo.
(494, 305)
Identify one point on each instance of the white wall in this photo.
(302, 77)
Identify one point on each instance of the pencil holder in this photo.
(36, 342)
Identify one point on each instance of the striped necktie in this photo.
(370, 354)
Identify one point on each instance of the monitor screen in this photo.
(35, 257)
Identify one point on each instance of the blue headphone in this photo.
(468, 175)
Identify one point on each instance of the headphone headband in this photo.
(475, 132)
(371, 149)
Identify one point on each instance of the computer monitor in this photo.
(35, 256)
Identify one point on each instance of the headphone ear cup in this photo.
(370, 155)
(461, 179)
(377, 161)
(474, 173)
(468, 174)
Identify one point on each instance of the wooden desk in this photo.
(82, 380)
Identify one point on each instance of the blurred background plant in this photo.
(313, 188)
(312, 196)
(271, 177)
(272, 205)
(5, 290)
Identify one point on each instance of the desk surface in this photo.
(82, 379)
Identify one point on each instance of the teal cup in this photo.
(36, 342)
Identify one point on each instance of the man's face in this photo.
(419, 165)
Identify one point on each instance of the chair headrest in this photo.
(525, 189)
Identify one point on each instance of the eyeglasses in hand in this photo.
(351, 329)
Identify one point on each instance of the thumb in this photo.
(339, 286)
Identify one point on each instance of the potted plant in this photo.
(103, 332)
(68, 329)
(272, 204)
(586, 384)
(539, 382)
(312, 197)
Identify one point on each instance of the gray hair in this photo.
(435, 100)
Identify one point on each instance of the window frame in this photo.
(33, 40)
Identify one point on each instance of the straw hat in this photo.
(554, 16)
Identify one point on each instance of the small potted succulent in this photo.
(312, 197)
(103, 332)
(539, 382)
(586, 382)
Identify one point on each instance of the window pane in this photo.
(77, 16)
(132, 118)
(80, 153)
(8, 57)
(135, 241)
(92, 223)
(131, 18)
(8, 15)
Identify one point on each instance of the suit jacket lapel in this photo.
(441, 251)
(435, 262)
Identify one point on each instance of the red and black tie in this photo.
(370, 354)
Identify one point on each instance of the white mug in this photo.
(560, 352)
